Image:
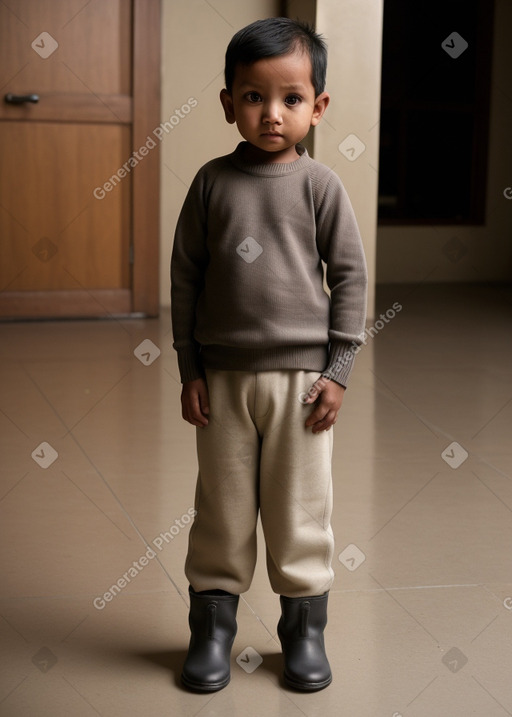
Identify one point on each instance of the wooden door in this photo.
(79, 167)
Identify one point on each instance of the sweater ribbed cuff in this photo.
(341, 362)
(189, 364)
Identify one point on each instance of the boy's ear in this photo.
(227, 104)
(319, 108)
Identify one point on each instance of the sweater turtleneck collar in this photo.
(269, 169)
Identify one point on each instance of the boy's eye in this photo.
(253, 97)
(293, 100)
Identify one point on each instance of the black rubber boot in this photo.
(301, 632)
(213, 627)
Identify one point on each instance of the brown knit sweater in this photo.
(247, 286)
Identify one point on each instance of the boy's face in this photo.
(273, 104)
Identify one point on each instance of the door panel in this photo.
(66, 251)
(57, 233)
(94, 45)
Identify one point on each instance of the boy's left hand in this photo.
(328, 396)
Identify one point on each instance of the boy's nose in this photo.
(272, 113)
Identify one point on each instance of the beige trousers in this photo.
(256, 455)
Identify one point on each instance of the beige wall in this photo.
(353, 29)
(195, 36)
(414, 254)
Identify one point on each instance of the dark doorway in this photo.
(436, 70)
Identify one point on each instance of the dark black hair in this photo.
(272, 37)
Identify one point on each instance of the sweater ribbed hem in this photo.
(335, 364)
(298, 358)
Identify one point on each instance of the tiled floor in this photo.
(420, 621)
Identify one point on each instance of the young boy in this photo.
(258, 339)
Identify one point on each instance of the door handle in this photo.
(20, 99)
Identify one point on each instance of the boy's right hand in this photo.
(195, 404)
